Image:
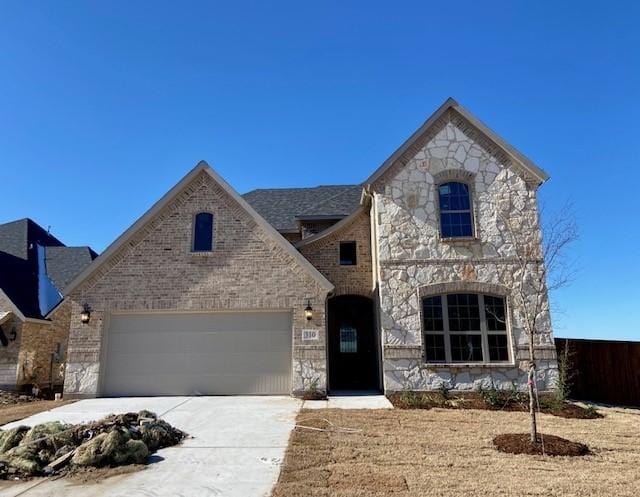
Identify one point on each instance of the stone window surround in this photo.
(459, 176)
(202, 253)
(468, 287)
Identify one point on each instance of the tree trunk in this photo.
(531, 378)
(532, 403)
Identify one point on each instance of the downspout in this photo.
(369, 196)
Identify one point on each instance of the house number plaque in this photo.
(310, 335)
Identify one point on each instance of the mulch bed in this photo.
(313, 396)
(11, 398)
(520, 443)
(473, 400)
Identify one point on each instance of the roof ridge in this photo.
(201, 168)
(324, 201)
(346, 185)
(511, 152)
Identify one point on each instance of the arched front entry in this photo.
(353, 347)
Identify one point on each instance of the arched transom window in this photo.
(203, 232)
(455, 210)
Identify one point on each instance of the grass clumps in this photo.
(116, 440)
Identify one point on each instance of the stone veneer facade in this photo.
(413, 261)
(9, 354)
(401, 259)
(156, 270)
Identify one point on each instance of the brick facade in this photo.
(29, 359)
(324, 254)
(401, 257)
(9, 354)
(155, 270)
(43, 350)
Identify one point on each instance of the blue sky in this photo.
(105, 105)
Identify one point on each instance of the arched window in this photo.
(455, 210)
(203, 232)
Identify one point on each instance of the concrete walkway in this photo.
(350, 401)
(237, 447)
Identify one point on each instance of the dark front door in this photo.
(353, 358)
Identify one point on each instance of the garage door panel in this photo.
(193, 342)
(200, 385)
(200, 321)
(188, 363)
(200, 353)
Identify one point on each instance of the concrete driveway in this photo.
(237, 446)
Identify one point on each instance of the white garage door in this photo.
(198, 354)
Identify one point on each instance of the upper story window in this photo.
(455, 210)
(465, 327)
(202, 232)
(348, 256)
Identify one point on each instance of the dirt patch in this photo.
(310, 395)
(570, 410)
(550, 445)
(501, 401)
(449, 452)
(20, 410)
(83, 476)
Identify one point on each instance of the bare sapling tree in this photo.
(540, 253)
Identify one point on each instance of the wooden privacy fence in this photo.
(604, 371)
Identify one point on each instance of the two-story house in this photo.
(34, 268)
(407, 280)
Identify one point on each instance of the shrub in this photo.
(492, 396)
(445, 392)
(565, 373)
(502, 398)
(409, 398)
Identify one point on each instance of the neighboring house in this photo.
(404, 281)
(34, 268)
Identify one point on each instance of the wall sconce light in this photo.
(308, 311)
(85, 315)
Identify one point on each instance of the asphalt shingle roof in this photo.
(281, 207)
(19, 263)
(64, 263)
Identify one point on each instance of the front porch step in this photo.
(350, 401)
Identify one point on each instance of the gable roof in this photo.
(16, 236)
(202, 166)
(283, 207)
(64, 263)
(450, 105)
(23, 273)
(7, 306)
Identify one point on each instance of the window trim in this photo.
(483, 332)
(355, 252)
(192, 249)
(445, 180)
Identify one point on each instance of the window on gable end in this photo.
(202, 232)
(455, 210)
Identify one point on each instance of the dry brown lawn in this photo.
(15, 412)
(443, 452)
